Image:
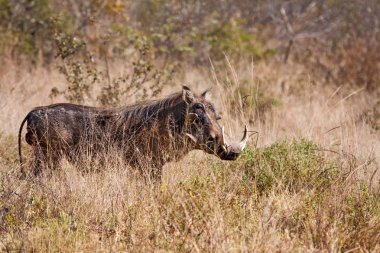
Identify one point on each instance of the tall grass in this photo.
(308, 181)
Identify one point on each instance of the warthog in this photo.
(147, 133)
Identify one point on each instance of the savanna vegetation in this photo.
(303, 75)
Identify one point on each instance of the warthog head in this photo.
(204, 131)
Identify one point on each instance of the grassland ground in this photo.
(308, 181)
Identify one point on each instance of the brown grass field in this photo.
(308, 182)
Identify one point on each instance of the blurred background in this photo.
(336, 41)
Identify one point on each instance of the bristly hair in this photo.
(148, 112)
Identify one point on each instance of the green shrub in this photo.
(288, 166)
(29, 27)
(143, 81)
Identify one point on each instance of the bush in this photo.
(290, 167)
(82, 73)
(29, 27)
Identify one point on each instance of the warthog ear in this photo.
(187, 95)
(206, 93)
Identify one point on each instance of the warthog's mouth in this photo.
(221, 148)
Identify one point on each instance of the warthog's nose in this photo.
(233, 150)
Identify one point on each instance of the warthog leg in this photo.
(44, 159)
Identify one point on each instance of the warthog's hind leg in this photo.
(43, 159)
(38, 160)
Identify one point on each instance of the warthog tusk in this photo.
(244, 140)
(222, 141)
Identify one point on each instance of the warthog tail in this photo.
(19, 138)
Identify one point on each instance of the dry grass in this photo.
(311, 184)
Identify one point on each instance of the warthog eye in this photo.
(199, 106)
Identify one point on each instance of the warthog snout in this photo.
(233, 150)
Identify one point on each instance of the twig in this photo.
(332, 129)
